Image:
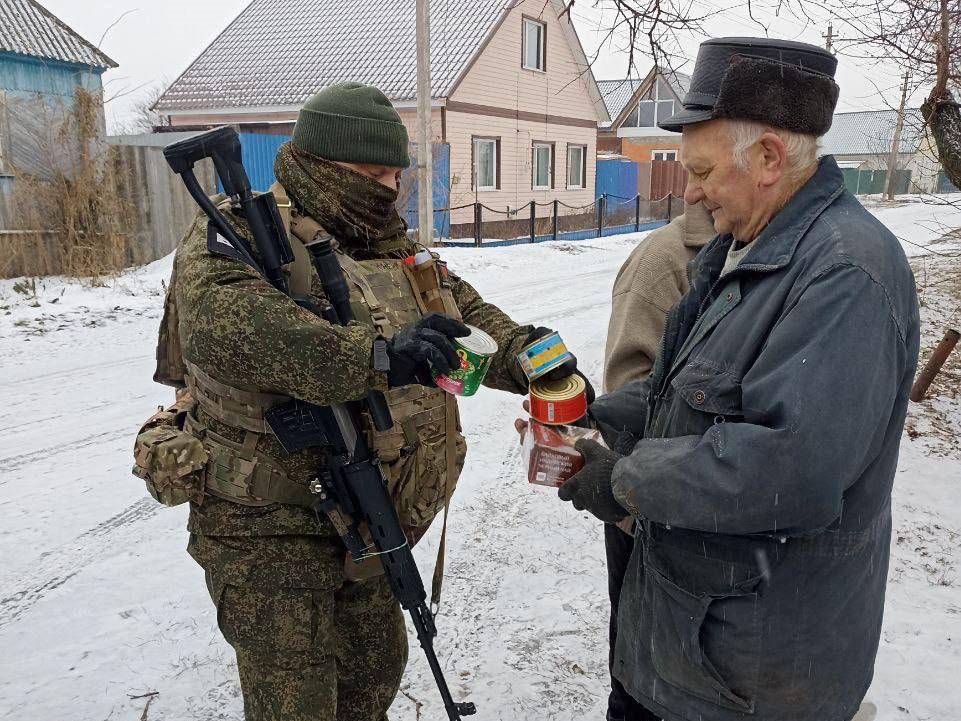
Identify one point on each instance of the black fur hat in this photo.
(783, 83)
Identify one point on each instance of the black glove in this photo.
(567, 368)
(423, 345)
(590, 488)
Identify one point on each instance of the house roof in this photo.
(27, 28)
(280, 52)
(871, 132)
(618, 94)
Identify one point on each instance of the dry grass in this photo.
(73, 216)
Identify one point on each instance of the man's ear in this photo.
(773, 158)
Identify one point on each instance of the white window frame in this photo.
(541, 65)
(581, 166)
(535, 146)
(656, 100)
(664, 153)
(478, 142)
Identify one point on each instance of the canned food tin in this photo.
(475, 352)
(559, 402)
(543, 356)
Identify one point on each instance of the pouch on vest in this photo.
(431, 282)
(169, 460)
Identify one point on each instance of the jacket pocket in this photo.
(274, 620)
(706, 643)
(709, 390)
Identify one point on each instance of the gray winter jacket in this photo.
(759, 466)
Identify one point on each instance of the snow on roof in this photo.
(871, 132)
(617, 93)
(280, 52)
(27, 28)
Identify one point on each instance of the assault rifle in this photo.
(351, 489)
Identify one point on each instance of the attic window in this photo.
(533, 45)
(655, 107)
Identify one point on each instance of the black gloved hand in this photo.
(567, 368)
(590, 488)
(423, 345)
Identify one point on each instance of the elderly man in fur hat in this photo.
(757, 459)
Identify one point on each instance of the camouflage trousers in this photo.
(311, 645)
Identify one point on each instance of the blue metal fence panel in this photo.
(617, 178)
(440, 188)
(258, 152)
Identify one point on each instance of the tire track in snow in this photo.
(73, 373)
(11, 463)
(56, 567)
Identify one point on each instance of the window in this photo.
(542, 166)
(656, 106)
(533, 46)
(663, 155)
(576, 165)
(486, 163)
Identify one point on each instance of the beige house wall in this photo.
(497, 79)
(499, 98)
(516, 173)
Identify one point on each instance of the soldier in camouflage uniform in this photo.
(314, 640)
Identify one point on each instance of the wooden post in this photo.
(533, 219)
(601, 203)
(554, 219)
(478, 214)
(637, 212)
(893, 157)
(425, 161)
(670, 197)
(937, 359)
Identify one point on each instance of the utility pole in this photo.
(896, 143)
(829, 38)
(425, 163)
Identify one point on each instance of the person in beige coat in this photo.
(652, 279)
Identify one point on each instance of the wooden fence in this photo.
(161, 211)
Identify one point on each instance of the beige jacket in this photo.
(652, 279)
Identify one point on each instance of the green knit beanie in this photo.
(352, 123)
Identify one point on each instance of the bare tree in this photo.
(143, 117)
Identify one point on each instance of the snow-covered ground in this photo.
(100, 605)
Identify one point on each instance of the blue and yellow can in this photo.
(543, 355)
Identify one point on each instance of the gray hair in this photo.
(802, 149)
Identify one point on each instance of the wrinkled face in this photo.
(384, 174)
(731, 194)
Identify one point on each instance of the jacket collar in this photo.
(774, 247)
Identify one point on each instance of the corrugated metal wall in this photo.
(258, 152)
(872, 182)
(440, 187)
(616, 178)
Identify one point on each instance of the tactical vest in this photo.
(422, 455)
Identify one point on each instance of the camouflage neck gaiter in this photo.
(357, 211)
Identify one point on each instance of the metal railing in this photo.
(535, 222)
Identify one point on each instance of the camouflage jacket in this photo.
(245, 333)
